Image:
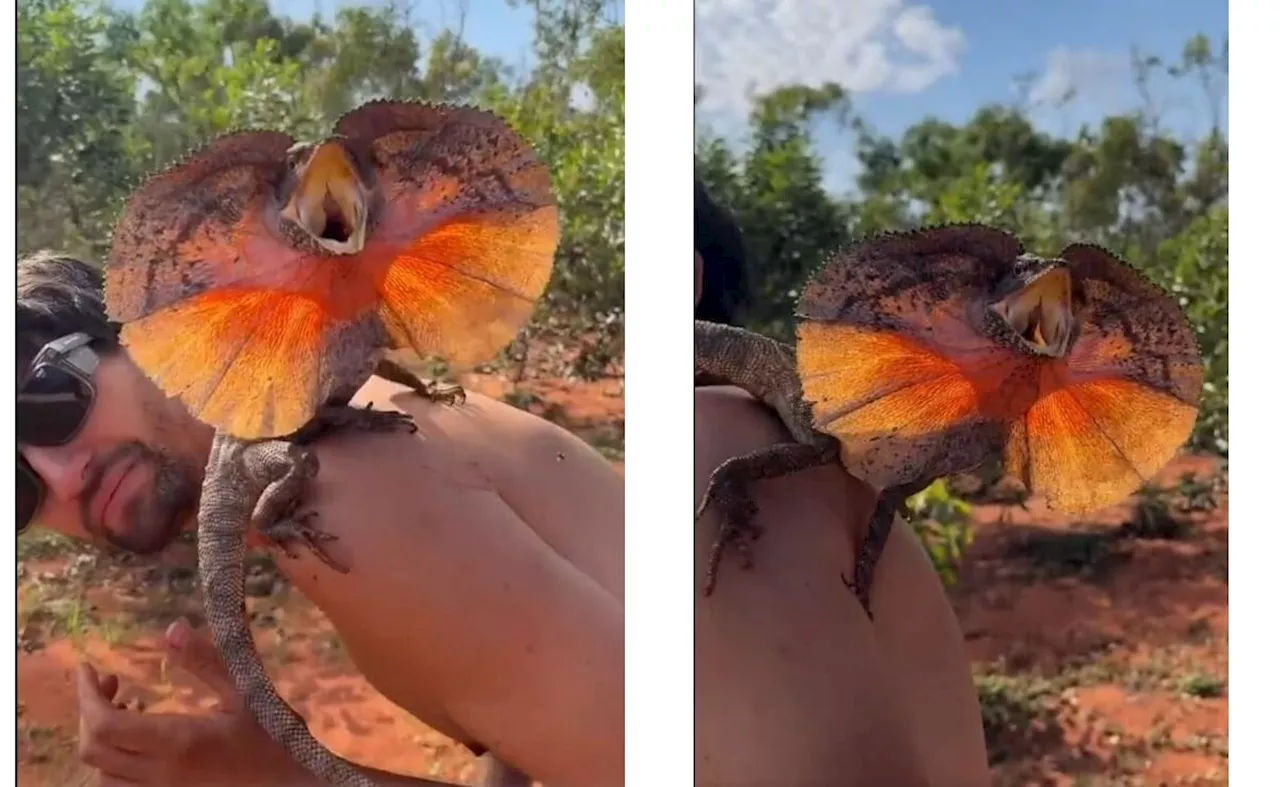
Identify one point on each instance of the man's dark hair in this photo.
(717, 238)
(58, 295)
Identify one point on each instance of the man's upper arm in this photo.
(450, 587)
(563, 488)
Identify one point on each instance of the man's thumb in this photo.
(195, 654)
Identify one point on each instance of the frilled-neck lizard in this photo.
(925, 354)
(261, 280)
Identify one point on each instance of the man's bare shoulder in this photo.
(411, 489)
(563, 489)
(478, 412)
(482, 423)
(713, 403)
(433, 529)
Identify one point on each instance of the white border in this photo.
(1254, 545)
(9, 367)
(660, 571)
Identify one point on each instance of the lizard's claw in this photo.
(367, 419)
(889, 505)
(442, 393)
(859, 587)
(728, 489)
(431, 390)
(737, 526)
(296, 529)
(364, 419)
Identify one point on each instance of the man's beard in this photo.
(152, 520)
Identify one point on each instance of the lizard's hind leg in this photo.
(729, 490)
(891, 502)
(277, 516)
(864, 562)
(433, 390)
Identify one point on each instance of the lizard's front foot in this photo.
(728, 488)
(441, 393)
(297, 528)
(432, 391)
(366, 419)
(738, 528)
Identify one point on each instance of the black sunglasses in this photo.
(53, 404)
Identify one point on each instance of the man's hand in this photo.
(225, 747)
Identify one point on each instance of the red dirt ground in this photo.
(1106, 649)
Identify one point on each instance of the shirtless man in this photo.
(486, 595)
(794, 684)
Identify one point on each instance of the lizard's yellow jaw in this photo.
(329, 201)
(1040, 312)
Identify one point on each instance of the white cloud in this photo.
(754, 46)
(1098, 77)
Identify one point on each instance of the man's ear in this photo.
(697, 278)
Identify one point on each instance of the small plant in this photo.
(1198, 495)
(40, 742)
(1014, 708)
(1156, 515)
(41, 543)
(1083, 553)
(942, 523)
(1203, 686)
(116, 632)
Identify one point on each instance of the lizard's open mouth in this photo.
(328, 200)
(1040, 312)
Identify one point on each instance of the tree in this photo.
(106, 96)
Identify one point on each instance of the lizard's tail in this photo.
(221, 549)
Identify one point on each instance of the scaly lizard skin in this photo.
(925, 354)
(766, 369)
(261, 280)
(276, 473)
(262, 483)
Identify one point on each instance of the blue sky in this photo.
(905, 60)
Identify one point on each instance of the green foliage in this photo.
(572, 111)
(1157, 199)
(1165, 512)
(941, 521)
(1156, 515)
(1203, 686)
(75, 108)
(106, 96)
(789, 221)
(1015, 708)
(1193, 265)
